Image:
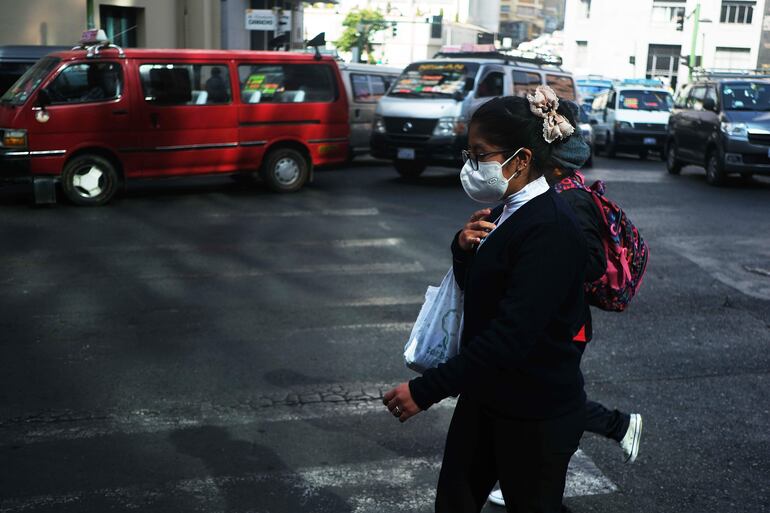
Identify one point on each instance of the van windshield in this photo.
(29, 81)
(746, 96)
(645, 100)
(435, 80)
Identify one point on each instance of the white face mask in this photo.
(487, 183)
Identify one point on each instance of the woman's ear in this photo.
(523, 161)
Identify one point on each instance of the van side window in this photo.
(492, 85)
(87, 82)
(563, 86)
(185, 84)
(361, 90)
(695, 100)
(286, 83)
(378, 86)
(525, 83)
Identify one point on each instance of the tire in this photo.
(90, 180)
(715, 174)
(285, 170)
(673, 165)
(410, 168)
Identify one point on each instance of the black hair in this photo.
(508, 122)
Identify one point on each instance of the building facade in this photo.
(417, 30)
(148, 23)
(648, 38)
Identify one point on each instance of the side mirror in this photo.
(43, 98)
(710, 104)
(469, 84)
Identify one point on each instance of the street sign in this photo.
(260, 19)
(284, 22)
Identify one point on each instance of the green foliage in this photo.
(360, 27)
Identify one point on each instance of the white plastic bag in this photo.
(435, 337)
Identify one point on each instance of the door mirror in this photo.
(709, 104)
(469, 84)
(43, 98)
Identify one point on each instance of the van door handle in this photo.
(155, 120)
(122, 112)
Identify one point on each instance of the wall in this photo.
(42, 22)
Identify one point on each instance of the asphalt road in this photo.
(201, 345)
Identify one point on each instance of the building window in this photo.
(121, 24)
(732, 58)
(737, 12)
(663, 62)
(505, 8)
(667, 11)
(581, 54)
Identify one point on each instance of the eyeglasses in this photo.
(474, 158)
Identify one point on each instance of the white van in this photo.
(365, 85)
(423, 120)
(631, 118)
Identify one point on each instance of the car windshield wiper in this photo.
(406, 93)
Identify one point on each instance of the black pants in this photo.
(612, 424)
(529, 458)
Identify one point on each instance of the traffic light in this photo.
(394, 29)
(680, 22)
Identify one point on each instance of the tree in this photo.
(360, 27)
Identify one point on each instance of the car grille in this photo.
(756, 159)
(420, 126)
(652, 127)
(408, 137)
(763, 139)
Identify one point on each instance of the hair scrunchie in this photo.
(543, 104)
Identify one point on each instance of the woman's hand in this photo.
(475, 230)
(400, 403)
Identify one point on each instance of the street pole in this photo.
(90, 23)
(694, 43)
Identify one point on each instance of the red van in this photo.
(96, 116)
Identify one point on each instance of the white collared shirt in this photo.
(518, 199)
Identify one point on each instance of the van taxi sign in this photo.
(260, 19)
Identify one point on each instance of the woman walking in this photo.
(521, 409)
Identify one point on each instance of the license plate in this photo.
(406, 153)
(650, 141)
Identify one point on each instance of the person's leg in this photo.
(468, 470)
(610, 423)
(532, 461)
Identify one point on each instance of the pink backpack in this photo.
(626, 251)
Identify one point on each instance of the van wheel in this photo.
(285, 170)
(90, 180)
(715, 174)
(410, 168)
(673, 165)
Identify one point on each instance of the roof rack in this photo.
(93, 41)
(703, 73)
(489, 52)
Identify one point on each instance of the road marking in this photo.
(387, 327)
(381, 301)
(347, 212)
(385, 486)
(734, 269)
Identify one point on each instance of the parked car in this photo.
(365, 85)
(630, 118)
(15, 60)
(95, 117)
(423, 119)
(722, 124)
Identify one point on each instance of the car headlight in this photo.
(15, 139)
(586, 131)
(623, 125)
(735, 130)
(450, 126)
(379, 125)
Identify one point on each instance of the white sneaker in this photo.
(496, 497)
(630, 442)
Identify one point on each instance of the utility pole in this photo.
(90, 23)
(693, 46)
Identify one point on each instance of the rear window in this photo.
(287, 83)
(185, 84)
(564, 87)
(645, 100)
